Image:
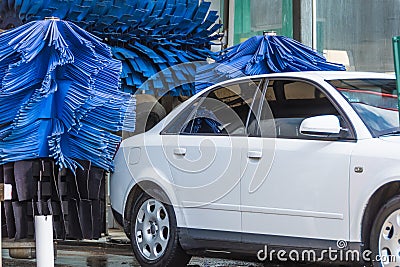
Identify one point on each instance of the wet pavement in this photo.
(114, 250)
(68, 256)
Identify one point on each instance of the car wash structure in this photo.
(61, 109)
(147, 36)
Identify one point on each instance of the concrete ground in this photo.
(110, 251)
(113, 251)
(68, 256)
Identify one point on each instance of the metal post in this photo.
(396, 57)
(296, 10)
(231, 23)
(107, 198)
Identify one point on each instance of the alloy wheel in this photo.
(389, 240)
(152, 229)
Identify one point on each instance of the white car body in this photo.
(315, 192)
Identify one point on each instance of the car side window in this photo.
(175, 126)
(222, 111)
(286, 104)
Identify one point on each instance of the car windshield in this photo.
(375, 100)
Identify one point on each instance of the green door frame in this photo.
(396, 57)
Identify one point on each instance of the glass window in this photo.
(176, 125)
(375, 100)
(293, 102)
(358, 32)
(252, 17)
(223, 111)
(300, 90)
(259, 21)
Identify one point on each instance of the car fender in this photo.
(149, 176)
(374, 164)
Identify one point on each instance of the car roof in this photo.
(332, 75)
(310, 75)
(324, 75)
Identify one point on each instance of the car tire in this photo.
(385, 233)
(154, 235)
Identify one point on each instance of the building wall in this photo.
(363, 28)
(355, 32)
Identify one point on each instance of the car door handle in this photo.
(254, 154)
(180, 151)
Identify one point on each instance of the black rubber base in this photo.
(76, 201)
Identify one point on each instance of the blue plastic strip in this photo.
(262, 55)
(154, 30)
(60, 96)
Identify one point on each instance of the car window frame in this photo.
(371, 131)
(352, 137)
(200, 99)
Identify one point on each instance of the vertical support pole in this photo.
(107, 202)
(231, 23)
(44, 241)
(297, 25)
(396, 57)
(303, 22)
(225, 22)
(314, 24)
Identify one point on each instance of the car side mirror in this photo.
(324, 125)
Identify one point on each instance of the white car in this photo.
(291, 166)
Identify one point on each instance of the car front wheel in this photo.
(385, 235)
(154, 236)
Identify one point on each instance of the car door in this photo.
(293, 184)
(203, 145)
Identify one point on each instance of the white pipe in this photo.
(44, 241)
(314, 24)
(7, 195)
